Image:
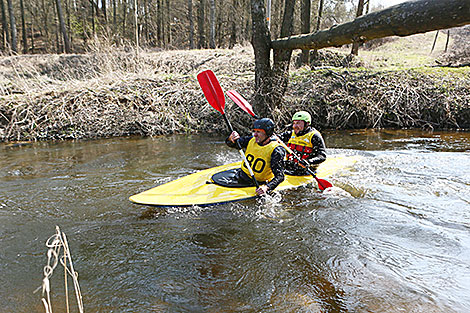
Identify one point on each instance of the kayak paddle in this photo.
(241, 102)
(216, 98)
(246, 106)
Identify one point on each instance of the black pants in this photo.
(243, 178)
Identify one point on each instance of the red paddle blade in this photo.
(241, 102)
(323, 184)
(212, 90)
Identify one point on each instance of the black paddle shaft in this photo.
(231, 130)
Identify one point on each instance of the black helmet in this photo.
(265, 124)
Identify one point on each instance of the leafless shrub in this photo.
(365, 99)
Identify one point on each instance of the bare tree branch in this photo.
(404, 19)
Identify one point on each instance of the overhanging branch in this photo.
(404, 19)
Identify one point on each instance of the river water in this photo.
(394, 236)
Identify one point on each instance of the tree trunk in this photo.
(168, 22)
(247, 26)
(360, 10)
(45, 25)
(447, 40)
(124, 18)
(23, 26)
(320, 13)
(282, 57)
(63, 29)
(434, 43)
(305, 26)
(32, 36)
(261, 42)
(13, 43)
(268, 13)
(159, 22)
(201, 44)
(114, 14)
(191, 24)
(212, 24)
(103, 8)
(96, 7)
(233, 25)
(5, 35)
(270, 83)
(146, 27)
(220, 26)
(57, 38)
(400, 20)
(317, 27)
(69, 26)
(136, 28)
(93, 19)
(84, 29)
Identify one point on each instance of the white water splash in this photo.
(336, 192)
(270, 206)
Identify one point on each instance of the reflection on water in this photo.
(393, 235)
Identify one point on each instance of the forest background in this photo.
(87, 69)
(74, 26)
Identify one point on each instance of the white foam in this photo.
(336, 192)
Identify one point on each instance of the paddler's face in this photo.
(298, 126)
(259, 135)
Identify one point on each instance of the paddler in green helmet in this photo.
(264, 154)
(306, 142)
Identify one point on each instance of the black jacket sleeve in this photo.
(285, 136)
(319, 150)
(242, 140)
(277, 166)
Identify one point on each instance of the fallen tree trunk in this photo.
(404, 19)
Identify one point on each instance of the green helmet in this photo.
(302, 116)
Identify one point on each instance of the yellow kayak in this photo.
(207, 187)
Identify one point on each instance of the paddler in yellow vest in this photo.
(264, 154)
(306, 142)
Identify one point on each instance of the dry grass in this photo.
(358, 98)
(117, 93)
(111, 94)
(25, 74)
(406, 52)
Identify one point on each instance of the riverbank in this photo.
(113, 93)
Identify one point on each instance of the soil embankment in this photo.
(118, 94)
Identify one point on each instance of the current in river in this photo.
(393, 237)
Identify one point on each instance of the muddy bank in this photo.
(160, 95)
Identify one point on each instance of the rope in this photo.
(55, 243)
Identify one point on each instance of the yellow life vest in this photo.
(302, 145)
(259, 158)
